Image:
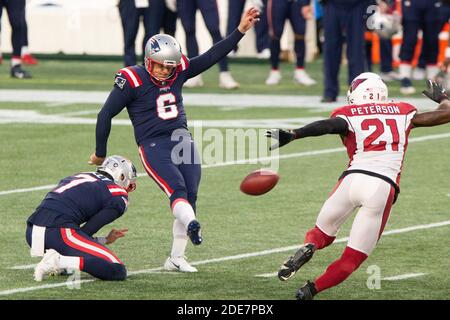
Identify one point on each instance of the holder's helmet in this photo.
(121, 170)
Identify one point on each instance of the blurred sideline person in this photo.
(424, 15)
(235, 9)
(343, 21)
(297, 12)
(64, 223)
(152, 94)
(163, 15)
(26, 56)
(375, 132)
(16, 15)
(386, 23)
(131, 12)
(187, 10)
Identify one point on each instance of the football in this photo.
(259, 182)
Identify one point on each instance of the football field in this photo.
(47, 134)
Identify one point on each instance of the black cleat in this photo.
(307, 292)
(328, 99)
(194, 232)
(19, 73)
(291, 266)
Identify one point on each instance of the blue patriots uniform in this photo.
(75, 210)
(77, 199)
(156, 111)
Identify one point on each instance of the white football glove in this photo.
(171, 5)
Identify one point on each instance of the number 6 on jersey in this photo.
(166, 106)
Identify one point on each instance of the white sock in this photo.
(180, 239)
(405, 70)
(432, 71)
(182, 210)
(24, 50)
(15, 61)
(66, 262)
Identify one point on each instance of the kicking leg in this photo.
(333, 213)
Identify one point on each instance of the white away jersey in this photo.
(378, 136)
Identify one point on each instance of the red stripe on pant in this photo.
(387, 211)
(152, 173)
(71, 244)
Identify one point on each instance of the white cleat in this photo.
(48, 265)
(226, 81)
(419, 74)
(301, 77)
(274, 78)
(265, 54)
(178, 264)
(194, 82)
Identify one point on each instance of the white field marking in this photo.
(23, 267)
(394, 278)
(193, 99)
(404, 276)
(385, 233)
(47, 187)
(8, 116)
(228, 258)
(250, 161)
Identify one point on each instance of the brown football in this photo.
(259, 182)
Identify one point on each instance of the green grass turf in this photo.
(98, 75)
(233, 223)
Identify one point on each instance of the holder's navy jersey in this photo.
(80, 198)
(155, 109)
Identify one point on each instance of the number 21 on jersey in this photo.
(166, 106)
(384, 129)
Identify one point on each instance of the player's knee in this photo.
(180, 193)
(118, 272)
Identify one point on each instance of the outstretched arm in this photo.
(318, 128)
(219, 51)
(114, 104)
(439, 116)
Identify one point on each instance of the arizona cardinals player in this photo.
(375, 132)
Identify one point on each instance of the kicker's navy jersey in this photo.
(78, 199)
(155, 110)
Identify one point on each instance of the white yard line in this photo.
(393, 278)
(251, 161)
(404, 276)
(61, 97)
(23, 267)
(222, 259)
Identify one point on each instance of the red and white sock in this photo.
(319, 238)
(15, 61)
(341, 269)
